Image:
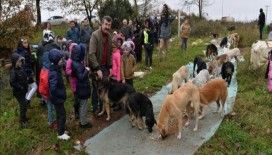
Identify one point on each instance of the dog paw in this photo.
(179, 136)
(200, 117)
(195, 129)
(108, 118)
(99, 114)
(187, 123)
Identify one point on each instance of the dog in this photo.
(111, 91)
(213, 91)
(200, 63)
(201, 78)
(211, 51)
(174, 106)
(138, 106)
(182, 74)
(214, 67)
(227, 71)
(234, 53)
(234, 39)
(224, 43)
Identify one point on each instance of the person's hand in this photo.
(124, 81)
(110, 72)
(99, 74)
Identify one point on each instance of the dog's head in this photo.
(162, 131)
(150, 122)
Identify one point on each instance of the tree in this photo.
(117, 9)
(201, 4)
(144, 7)
(38, 8)
(85, 7)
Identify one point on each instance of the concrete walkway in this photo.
(121, 139)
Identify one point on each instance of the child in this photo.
(148, 37)
(116, 73)
(83, 88)
(57, 91)
(128, 63)
(18, 82)
(72, 79)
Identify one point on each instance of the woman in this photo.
(184, 34)
(47, 30)
(23, 49)
(165, 31)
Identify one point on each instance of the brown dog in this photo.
(175, 105)
(213, 91)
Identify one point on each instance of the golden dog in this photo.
(182, 74)
(175, 105)
(213, 91)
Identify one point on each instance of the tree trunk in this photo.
(1, 9)
(39, 20)
(200, 7)
(136, 10)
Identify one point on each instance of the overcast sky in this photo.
(242, 10)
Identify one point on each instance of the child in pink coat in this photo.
(116, 72)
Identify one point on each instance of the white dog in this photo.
(201, 78)
(234, 53)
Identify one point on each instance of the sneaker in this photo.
(64, 137)
(88, 125)
(23, 125)
(150, 68)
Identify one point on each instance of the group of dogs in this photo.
(187, 99)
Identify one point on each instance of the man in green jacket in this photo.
(100, 52)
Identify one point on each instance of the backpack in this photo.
(44, 83)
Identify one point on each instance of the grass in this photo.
(245, 133)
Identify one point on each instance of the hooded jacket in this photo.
(28, 66)
(83, 88)
(18, 77)
(56, 85)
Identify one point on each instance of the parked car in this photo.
(57, 20)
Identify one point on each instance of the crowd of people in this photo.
(84, 57)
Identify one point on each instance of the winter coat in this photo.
(116, 64)
(96, 50)
(165, 28)
(69, 70)
(129, 66)
(18, 77)
(85, 34)
(148, 39)
(185, 30)
(44, 48)
(73, 34)
(29, 61)
(83, 88)
(127, 32)
(56, 85)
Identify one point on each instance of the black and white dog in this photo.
(211, 50)
(224, 42)
(227, 71)
(200, 63)
(138, 106)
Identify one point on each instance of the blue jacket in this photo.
(57, 89)
(85, 34)
(83, 88)
(74, 35)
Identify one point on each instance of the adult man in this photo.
(73, 33)
(261, 23)
(85, 35)
(100, 53)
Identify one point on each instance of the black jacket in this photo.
(261, 20)
(29, 61)
(83, 88)
(18, 77)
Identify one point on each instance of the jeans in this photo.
(51, 116)
(261, 32)
(83, 111)
(23, 107)
(61, 117)
(184, 43)
(76, 105)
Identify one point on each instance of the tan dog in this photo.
(234, 39)
(214, 67)
(175, 105)
(180, 76)
(213, 91)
